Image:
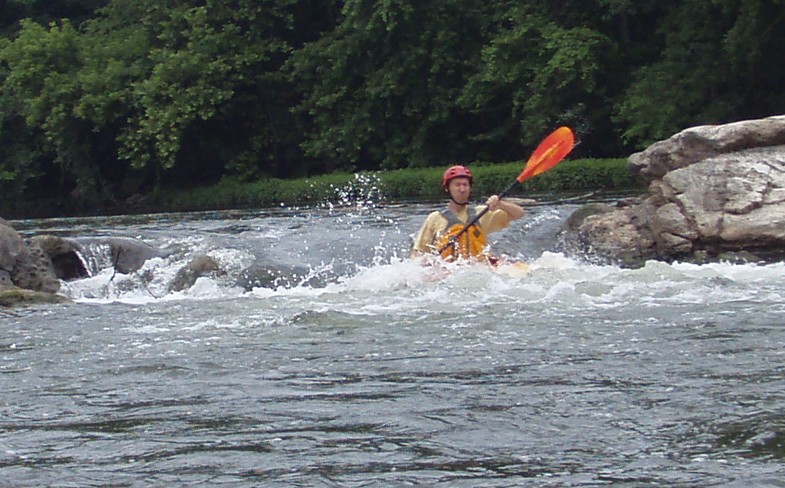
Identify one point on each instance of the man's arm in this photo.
(425, 237)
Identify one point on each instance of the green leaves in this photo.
(537, 74)
(718, 63)
(141, 79)
(41, 66)
(201, 56)
(380, 88)
(140, 94)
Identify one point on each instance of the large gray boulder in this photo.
(715, 192)
(26, 264)
(703, 142)
(65, 254)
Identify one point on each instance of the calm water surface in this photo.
(575, 375)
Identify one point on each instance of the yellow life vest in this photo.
(471, 244)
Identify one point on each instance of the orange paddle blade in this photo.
(548, 154)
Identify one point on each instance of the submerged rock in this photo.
(198, 267)
(13, 296)
(263, 274)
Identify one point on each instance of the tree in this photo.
(708, 72)
(539, 71)
(753, 45)
(216, 85)
(148, 93)
(39, 88)
(45, 11)
(380, 89)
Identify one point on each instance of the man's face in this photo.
(460, 189)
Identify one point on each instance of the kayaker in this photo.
(440, 227)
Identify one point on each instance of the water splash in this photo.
(363, 192)
(551, 278)
(363, 247)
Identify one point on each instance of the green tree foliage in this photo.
(74, 92)
(104, 99)
(380, 89)
(719, 62)
(212, 64)
(537, 74)
(144, 92)
(39, 88)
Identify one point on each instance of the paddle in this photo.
(548, 154)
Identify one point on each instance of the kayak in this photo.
(513, 269)
(441, 269)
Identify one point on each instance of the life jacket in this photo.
(471, 244)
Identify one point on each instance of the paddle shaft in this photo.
(476, 218)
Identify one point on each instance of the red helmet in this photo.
(456, 172)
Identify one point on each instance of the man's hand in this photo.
(513, 211)
(493, 202)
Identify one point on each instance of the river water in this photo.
(377, 374)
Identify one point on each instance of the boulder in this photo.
(36, 272)
(715, 191)
(12, 246)
(613, 234)
(127, 254)
(198, 267)
(26, 264)
(703, 142)
(65, 256)
(130, 254)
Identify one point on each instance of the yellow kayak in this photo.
(514, 269)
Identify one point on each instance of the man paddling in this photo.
(444, 232)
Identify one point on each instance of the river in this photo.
(373, 373)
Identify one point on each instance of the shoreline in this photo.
(411, 184)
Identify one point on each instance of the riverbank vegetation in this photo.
(370, 188)
(107, 103)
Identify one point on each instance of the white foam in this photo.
(400, 282)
